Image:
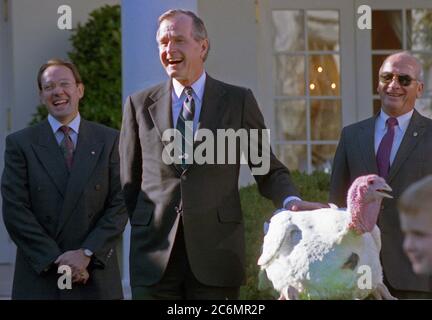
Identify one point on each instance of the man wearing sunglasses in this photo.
(396, 144)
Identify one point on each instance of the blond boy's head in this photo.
(415, 208)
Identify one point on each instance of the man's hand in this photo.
(78, 262)
(80, 277)
(299, 205)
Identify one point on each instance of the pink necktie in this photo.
(384, 149)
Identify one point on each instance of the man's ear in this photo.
(80, 90)
(420, 90)
(204, 47)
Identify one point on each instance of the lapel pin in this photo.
(415, 134)
(93, 153)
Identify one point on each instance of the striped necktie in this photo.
(67, 146)
(185, 127)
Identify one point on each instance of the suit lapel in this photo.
(212, 108)
(49, 154)
(413, 134)
(87, 154)
(366, 141)
(161, 113)
(160, 109)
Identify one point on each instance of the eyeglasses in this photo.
(403, 79)
(62, 84)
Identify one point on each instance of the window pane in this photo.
(324, 75)
(426, 61)
(322, 157)
(376, 106)
(386, 29)
(290, 72)
(377, 60)
(291, 120)
(326, 119)
(323, 29)
(289, 30)
(424, 106)
(419, 26)
(293, 156)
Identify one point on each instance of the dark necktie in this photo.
(384, 149)
(186, 130)
(67, 146)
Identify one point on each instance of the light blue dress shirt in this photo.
(59, 135)
(400, 129)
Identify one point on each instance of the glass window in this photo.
(419, 26)
(387, 30)
(293, 156)
(289, 30)
(323, 30)
(291, 120)
(324, 75)
(322, 157)
(290, 73)
(307, 127)
(424, 106)
(326, 120)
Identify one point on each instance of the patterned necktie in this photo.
(186, 129)
(67, 146)
(384, 149)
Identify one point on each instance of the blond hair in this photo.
(417, 197)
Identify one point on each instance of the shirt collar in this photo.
(55, 124)
(403, 120)
(197, 86)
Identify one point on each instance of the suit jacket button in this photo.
(39, 188)
(97, 187)
(382, 207)
(183, 178)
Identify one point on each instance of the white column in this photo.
(140, 65)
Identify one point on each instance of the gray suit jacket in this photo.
(48, 211)
(355, 156)
(211, 211)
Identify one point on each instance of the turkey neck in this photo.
(364, 216)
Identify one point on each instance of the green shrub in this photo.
(97, 54)
(257, 210)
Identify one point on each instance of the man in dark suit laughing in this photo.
(62, 203)
(187, 237)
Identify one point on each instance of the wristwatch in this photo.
(87, 253)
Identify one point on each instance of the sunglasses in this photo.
(403, 79)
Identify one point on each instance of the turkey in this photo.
(329, 253)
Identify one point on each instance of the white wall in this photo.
(35, 39)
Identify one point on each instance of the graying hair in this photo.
(199, 31)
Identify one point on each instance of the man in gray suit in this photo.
(187, 237)
(396, 144)
(62, 203)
